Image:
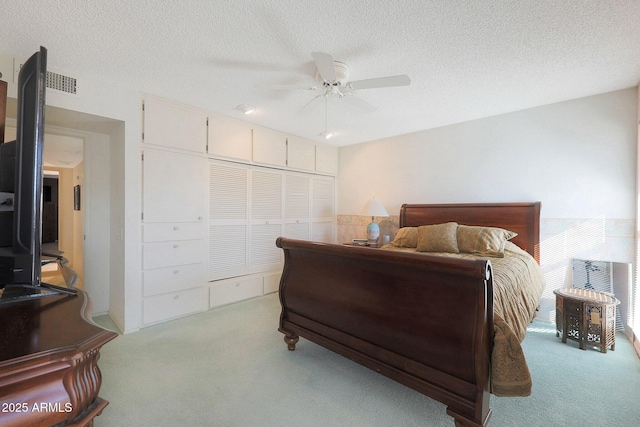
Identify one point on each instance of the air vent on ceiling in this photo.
(56, 81)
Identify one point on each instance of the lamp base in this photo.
(373, 233)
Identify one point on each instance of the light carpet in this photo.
(230, 367)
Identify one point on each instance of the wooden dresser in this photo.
(49, 350)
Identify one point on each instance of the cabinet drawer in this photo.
(228, 291)
(168, 306)
(178, 252)
(161, 232)
(170, 279)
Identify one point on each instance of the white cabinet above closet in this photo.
(231, 139)
(174, 125)
(301, 154)
(269, 147)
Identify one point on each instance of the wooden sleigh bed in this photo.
(424, 320)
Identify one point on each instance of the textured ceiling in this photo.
(466, 59)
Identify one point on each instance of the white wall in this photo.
(577, 157)
(95, 207)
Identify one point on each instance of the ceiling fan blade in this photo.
(359, 103)
(326, 66)
(286, 87)
(309, 106)
(389, 81)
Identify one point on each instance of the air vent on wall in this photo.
(62, 83)
(56, 81)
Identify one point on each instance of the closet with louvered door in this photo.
(228, 219)
(229, 235)
(245, 219)
(266, 219)
(217, 193)
(297, 202)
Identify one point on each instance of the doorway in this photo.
(50, 210)
(95, 233)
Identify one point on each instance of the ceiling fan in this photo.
(334, 79)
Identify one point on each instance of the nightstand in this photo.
(585, 316)
(363, 246)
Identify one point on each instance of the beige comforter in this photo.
(517, 287)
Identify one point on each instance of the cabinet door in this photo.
(230, 138)
(327, 159)
(174, 187)
(269, 147)
(266, 219)
(173, 125)
(162, 307)
(236, 289)
(228, 219)
(301, 154)
(297, 206)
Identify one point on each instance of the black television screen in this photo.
(21, 180)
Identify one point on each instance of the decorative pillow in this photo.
(438, 238)
(485, 241)
(406, 237)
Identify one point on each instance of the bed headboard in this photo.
(522, 218)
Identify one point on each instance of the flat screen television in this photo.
(21, 186)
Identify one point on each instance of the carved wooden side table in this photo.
(587, 317)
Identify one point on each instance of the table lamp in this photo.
(373, 208)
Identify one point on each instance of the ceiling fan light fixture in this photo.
(246, 108)
(326, 135)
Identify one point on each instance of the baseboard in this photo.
(118, 328)
(636, 344)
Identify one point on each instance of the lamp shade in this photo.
(374, 208)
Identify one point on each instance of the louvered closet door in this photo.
(228, 220)
(297, 202)
(266, 219)
(323, 209)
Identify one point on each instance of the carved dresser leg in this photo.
(291, 341)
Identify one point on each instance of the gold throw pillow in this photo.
(485, 241)
(438, 238)
(406, 237)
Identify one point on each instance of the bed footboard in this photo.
(424, 321)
